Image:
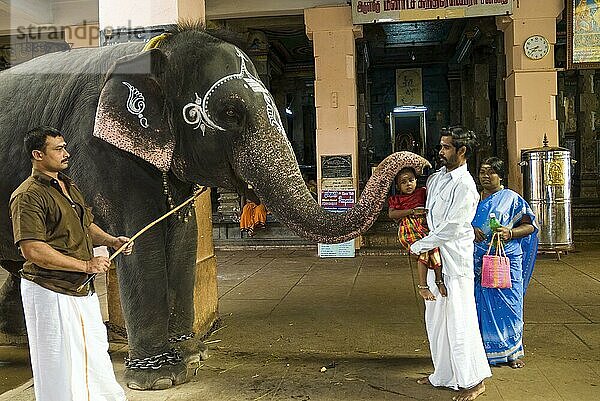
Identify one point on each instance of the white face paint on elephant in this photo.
(196, 113)
(136, 103)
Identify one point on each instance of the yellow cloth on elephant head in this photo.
(155, 41)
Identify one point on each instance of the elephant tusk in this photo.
(143, 230)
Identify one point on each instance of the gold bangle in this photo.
(510, 233)
(422, 287)
(438, 282)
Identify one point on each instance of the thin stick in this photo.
(149, 226)
(220, 328)
(143, 230)
(233, 367)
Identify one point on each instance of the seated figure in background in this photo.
(253, 217)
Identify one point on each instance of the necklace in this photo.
(185, 213)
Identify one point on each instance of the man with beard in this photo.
(459, 359)
(55, 232)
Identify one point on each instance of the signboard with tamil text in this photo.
(368, 12)
(336, 166)
(337, 201)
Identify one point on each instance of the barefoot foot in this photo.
(423, 380)
(470, 394)
(426, 294)
(516, 364)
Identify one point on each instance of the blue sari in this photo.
(500, 310)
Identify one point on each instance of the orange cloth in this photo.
(253, 216)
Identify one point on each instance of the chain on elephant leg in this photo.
(157, 372)
(192, 349)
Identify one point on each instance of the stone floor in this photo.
(288, 314)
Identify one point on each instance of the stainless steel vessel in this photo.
(547, 188)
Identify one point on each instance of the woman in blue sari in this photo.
(500, 310)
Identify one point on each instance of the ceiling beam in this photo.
(225, 9)
(242, 25)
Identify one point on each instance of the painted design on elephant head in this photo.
(196, 113)
(257, 86)
(136, 103)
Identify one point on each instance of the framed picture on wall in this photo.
(583, 34)
(409, 87)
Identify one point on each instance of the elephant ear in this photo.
(131, 111)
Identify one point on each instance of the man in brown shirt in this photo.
(54, 229)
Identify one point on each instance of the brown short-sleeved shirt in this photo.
(40, 211)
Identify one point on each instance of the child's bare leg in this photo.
(439, 281)
(423, 287)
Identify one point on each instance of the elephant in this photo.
(145, 124)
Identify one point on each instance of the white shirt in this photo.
(452, 202)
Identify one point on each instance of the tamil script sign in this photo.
(367, 12)
(338, 202)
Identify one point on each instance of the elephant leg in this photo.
(181, 262)
(143, 286)
(12, 318)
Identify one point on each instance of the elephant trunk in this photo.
(269, 165)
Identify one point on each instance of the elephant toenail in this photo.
(162, 384)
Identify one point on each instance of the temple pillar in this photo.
(333, 35)
(531, 85)
(588, 141)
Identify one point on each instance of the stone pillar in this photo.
(129, 15)
(333, 35)
(298, 121)
(501, 117)
(481, 121)
(455, 92)
(531, 85)
(258, 50)
(586, 121)
(468, 94)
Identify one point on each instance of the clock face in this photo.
(536, 47)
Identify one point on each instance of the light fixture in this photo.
(409, 109)
(465, 44)
(289, 100)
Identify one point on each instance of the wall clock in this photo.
(536, 47)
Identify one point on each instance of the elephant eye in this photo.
(231, 112)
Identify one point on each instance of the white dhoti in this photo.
(457, 351)
(68, 347)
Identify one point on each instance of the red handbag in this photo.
(495, 272)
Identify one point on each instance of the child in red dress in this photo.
(408, 209)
